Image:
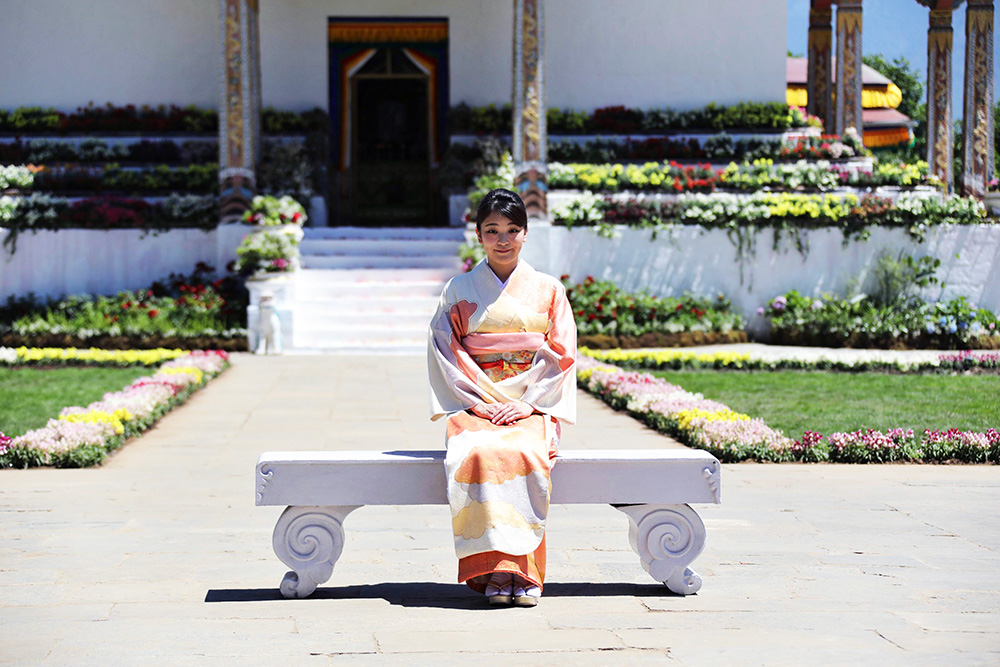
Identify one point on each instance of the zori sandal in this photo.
(526, 597)
(499, 589)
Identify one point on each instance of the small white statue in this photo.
(268, 326)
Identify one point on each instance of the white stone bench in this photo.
(652, 487)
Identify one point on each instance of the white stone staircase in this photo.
(371, 290)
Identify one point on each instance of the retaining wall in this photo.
(81, 261)
(707, 262)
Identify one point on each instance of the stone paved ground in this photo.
(160, 557)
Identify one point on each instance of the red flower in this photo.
(126, 305)
(153, 312)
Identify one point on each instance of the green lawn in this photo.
(795, 401)
(29, 397)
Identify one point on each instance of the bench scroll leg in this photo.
(667, 538)
(309, 540)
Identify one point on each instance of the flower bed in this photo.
(42, 211)
(84, 436)
(44, 151)
(692, 419)
(853, 215)
(601, 308)
(153, 180)
(863, 321)
(182, 311)
(129, 118)
(733, 437)
(622, 120)
(677, 360)
(61, 356)
(671, 177)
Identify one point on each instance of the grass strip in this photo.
(29, 397)
(798, 401)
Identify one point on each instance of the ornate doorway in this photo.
(390, 178)
(388, 106)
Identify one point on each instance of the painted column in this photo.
(940, 135)
(977, 122)
(530, 149)
(848, 66)
(819, 79)
(239, 110)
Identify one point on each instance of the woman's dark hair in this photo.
(506, 203)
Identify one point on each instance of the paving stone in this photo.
(160, 557)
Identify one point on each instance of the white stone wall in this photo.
(66, 53)
(640, 53)
(706, 262)
(80, 261)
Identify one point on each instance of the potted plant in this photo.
(267, 254)
(282, 214)
(992, 197)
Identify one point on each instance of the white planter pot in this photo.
(991, 200)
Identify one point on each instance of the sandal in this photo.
(499, 589)
(526, 596)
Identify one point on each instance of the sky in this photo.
(897, 28)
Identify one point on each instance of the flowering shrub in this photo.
(180, 307)
(853, 215)
(622, 120)
(601, 308)
(671, 359)
(84, 436)
(821, 175)
(649, 177)
(732, 437)
(267, 252)
(273, 211)
(43, 211)
(48, 356)
(470, 254)
(690, 418)
(129, 118)
(871, 446)
(166, 151)
(16, 178)
(863, 322)
(196, 178)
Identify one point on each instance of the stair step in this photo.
(370, 303)
(315, 320)
(388, 247)
(449, 263)
(343, 276)
(383, 233)
(369, 291)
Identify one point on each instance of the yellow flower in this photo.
(117, 418)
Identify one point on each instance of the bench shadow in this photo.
(431, 594)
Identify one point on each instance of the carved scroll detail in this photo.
(309, 540)
(667, 539)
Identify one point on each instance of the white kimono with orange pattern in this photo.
(493, 342)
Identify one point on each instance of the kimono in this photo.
(493, 342)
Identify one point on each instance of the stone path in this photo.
(160, 557)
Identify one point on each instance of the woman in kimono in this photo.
(501, 359)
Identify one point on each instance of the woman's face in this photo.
(502, 241)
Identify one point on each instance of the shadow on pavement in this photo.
(430, 594)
